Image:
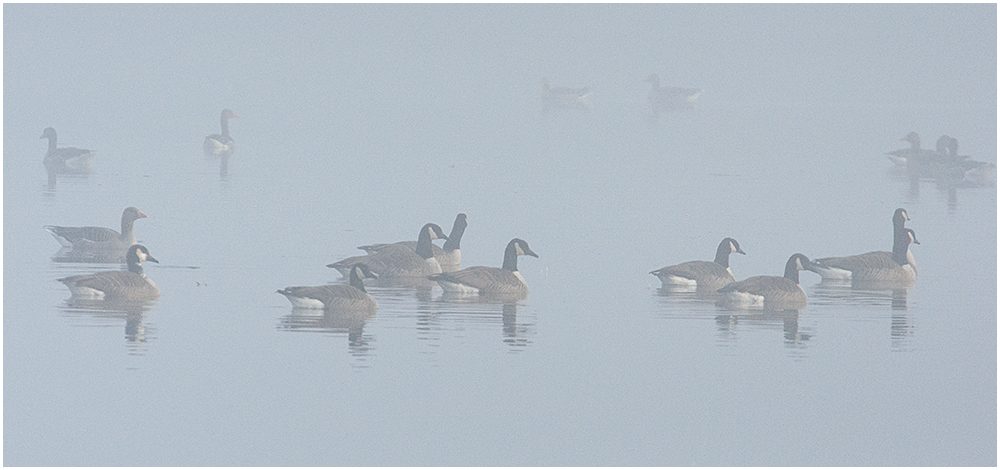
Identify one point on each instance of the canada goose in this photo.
(914, 155)
(121, 285)
(505, 281)
(101, 239)
(880, 266)
(398, 260)
(962, 168)
(66, 159)
(670, 97)
(770, 292)
(449, 255)
(563, 96)
(221, 145)
(703, 274)
(335, 297)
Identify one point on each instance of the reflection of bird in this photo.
(880, 266)
(131, 284)
(99, 239)
(338, 297)
(562, 96)
(66, 159)
(703, 274)
(769, 291)
(449, 255)
(670, 97)
(399, 260)
(221, 145)
(485, 280)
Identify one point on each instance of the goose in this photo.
(877, 266)
(221, 145)
(563, 96)
(119, 285)
(771, 292)
(99, 238)
(335, 297)
(914, 154)
(398, 260)
(505, 281)
(702, 274)
(670, 97)
(66, 159)
(449, 255)
(963, 168)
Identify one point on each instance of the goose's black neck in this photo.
(455, 238)
(424, 248)
(134, 265)
(792, 270)
(900, 246)
(722, 254)
(510, 257)
(355, 279)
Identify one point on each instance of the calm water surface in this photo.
(598, 366)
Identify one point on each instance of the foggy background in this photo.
(360, 123)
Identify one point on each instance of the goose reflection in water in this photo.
(96, 312)
(460, 307)
(874, 295)
(350, 321)
(728, 324)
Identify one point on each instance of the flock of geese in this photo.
(876, 269)
(943, 163)
(422, 261)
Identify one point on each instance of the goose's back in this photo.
(332, 296)
(113, 284)
(487, 280)
(704, 273)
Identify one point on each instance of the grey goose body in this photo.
(769, 292)
(131, 284)
(69, 160)
(670, 97)
(895, 267)
(99, 239)
(399, 261)
(221, 145)
(505, 281)
(709, 275)
(449, 256)
(335, 297)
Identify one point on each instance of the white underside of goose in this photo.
(671, 280)
(835, 274)
(303, 302)
(742, 299)
(215, 147)
(85, 292)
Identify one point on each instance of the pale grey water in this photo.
(358, 124)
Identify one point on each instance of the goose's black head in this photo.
(515, 248)
(433, 231)
(796, 263)
(912, 236)
(359, 272)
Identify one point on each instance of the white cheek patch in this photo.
(798, 264)
(732, 247)
(520, 252)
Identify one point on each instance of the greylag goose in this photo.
(101, 239)
(564, 97)
(484, 280)
(897, 266)
(131, 284)
(335, 297)
(449, 255)
(221, 145)
(66, 159)
(670, 97)
(400, 261)
(702, 274)
(769, 292)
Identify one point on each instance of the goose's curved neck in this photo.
(792, 271)
(510, 257)
(224, 120)
(455, 238)
(356, 281)
(52, 143)
(127, 226)
(135, 266)
(722, 254)
(424, 248)
(900, 247)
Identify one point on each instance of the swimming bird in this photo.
(66, 159)
(702, 274)
(769, 292)
(99, 239)
(398, 260)
(564, 97)
(131, 284)
(484, 280)
(670, 97)
(335, 297)
(449, 255)
(914, 155)
(897, 266)
(221, 145)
